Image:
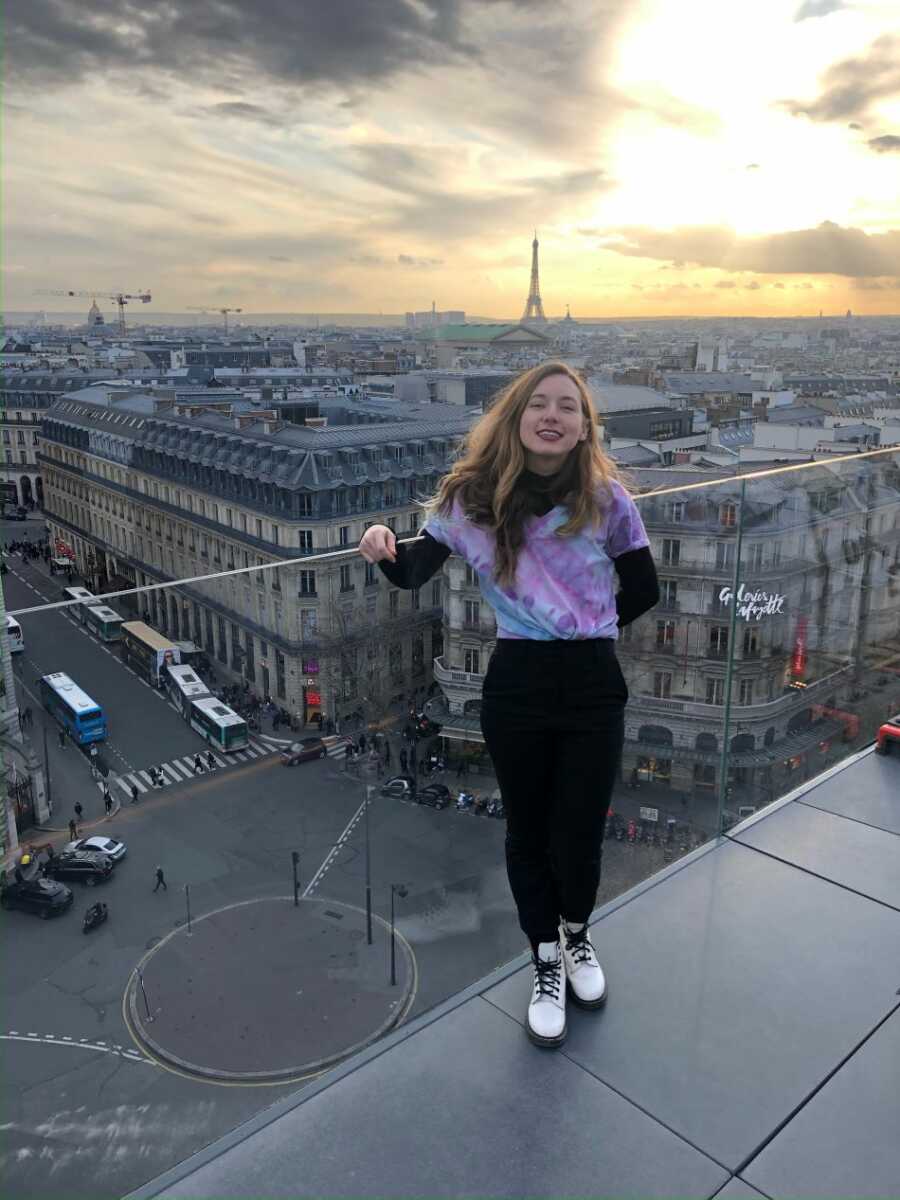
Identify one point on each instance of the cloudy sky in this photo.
(676, 156)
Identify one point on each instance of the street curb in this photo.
(286, 1074)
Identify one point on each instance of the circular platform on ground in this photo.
(266, 991)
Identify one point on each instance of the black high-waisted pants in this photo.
(552, 715)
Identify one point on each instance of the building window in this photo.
(309, 623)
(472, 618)
(745, 691)
(274, 534)
(718, 641)
(671, 551)
(668, 594)
(305, 539)
(222, 653)
(751, 643)
(370, 575)
(259, 531)
(662, 684)
(279, 675)
(756, 557)
(306, 583)
(665, 635)
(344, 535)
(728, 515)
(674, 511)
(724, 555)
(435, 593)
(715, 691)
(471, 577)
(414, 519)
(472, 661)
(346, 581)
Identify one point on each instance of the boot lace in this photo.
(547, 978)
(579, 947)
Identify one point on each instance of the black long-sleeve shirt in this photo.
(639, 586)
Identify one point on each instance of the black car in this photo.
(90, 868)
(303, 751)
(425, 727)
(437, 795)
(45, 897)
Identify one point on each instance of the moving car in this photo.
(303, 751)
(400, 786)
(45, 897)
(79, 864)
(113, 850)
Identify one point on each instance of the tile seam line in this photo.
(816, 1089)
(632, 1103)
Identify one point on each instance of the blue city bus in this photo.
(73, 708)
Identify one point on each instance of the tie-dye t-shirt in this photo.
(565, 587)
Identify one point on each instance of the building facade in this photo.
(146, 497)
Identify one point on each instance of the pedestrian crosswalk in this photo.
(177, 770)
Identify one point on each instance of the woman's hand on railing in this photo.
(378, 543)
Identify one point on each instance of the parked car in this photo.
(113, 850)
(399, 786)
(435, 794)
(15, 514)
(45, 897)
(303, 751)
(80, 864)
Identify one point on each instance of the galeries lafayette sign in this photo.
(753, 605)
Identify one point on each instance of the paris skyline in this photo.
(706, 159)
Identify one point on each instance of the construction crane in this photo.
(223, 311)
(121, 299)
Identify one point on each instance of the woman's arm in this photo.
(415, 564)
(640, 587)
(405, 566)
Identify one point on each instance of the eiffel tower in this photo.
(534, 308)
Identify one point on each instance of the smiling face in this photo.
(552, 424)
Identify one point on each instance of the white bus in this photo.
(219, 724)
(78, 593)
(184, 686)
(14, 633)
(147, 651)
(104, 621)
(73, 708)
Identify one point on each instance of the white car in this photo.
(100, 845)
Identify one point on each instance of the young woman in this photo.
(538, 511)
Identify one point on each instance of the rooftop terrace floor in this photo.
(750, 1045)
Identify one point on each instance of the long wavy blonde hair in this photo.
(492, 458)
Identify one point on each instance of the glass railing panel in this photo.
(816, 667)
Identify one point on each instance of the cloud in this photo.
(412, 260)
(828, 249)
(817, 8)
(725, 283)
(752, 167)
(887, 143)
(752, 286)
(854, 85)
(242, 110)
(300, 43)
(279, 258)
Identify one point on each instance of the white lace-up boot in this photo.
(546, 1023)
(584, 975)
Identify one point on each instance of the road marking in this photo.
(50, 1039)
(337, 846)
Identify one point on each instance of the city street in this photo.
(87, 1113)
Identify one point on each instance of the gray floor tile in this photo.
(734, 988)
(736, 1189)
(846, 1141)
(851, 853)
(465, 1107)
(868, 790)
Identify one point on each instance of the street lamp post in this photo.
(295, 860)
(402, 893)
(369, 790)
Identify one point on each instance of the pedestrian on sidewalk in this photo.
(387, 754)
(362, 743)
(403, 761)
(198, 765)
(134, 793)
(73, 831)
(107, 801)
(78, 811)
(61, 733)
(211, 760)
(160, 880)
(348, 756)
(553, 692)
